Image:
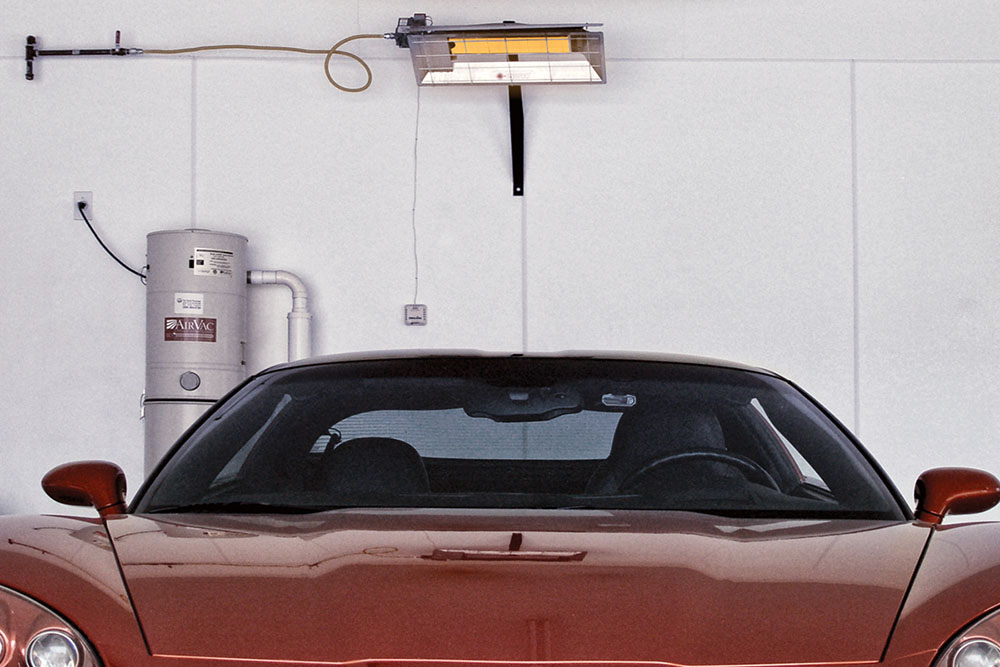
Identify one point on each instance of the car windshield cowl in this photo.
(521, 433)
(236, 507)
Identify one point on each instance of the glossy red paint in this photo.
(99, 484)
(958, 581)
(68, 563)
(943, 491)
(654, 587)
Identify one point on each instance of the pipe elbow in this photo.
(300, 295)
(299, 345)
(293, 282)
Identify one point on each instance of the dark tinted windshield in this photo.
(521, 433)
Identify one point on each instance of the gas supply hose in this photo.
(330, 53)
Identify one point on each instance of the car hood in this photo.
(494, 585)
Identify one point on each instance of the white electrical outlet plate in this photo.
(415, 314)
(86, 197)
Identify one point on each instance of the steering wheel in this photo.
(753, 470)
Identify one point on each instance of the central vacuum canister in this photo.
(196, 314)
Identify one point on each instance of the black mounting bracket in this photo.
(516, 138)
(31, 52)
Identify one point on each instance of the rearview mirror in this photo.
(98, 484)
(942, 491)
(517, 404)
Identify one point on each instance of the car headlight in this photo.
(977, 653)
(976, 646)
(52, 648)
(34, 635)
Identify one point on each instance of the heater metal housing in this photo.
(502, 53)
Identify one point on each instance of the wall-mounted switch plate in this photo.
(415, 314)
(88, 199)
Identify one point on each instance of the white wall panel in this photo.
(703, 208)
(930, 321)
(72, 321)
(855, 29)
(322, 183)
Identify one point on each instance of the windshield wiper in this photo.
(237, 507)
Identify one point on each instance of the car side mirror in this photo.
(942, 491)
(97, 484)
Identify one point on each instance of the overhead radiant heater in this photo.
(502, 53)
(509, 54)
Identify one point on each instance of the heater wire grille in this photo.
(522, 57)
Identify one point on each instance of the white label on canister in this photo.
(188, 303)
(208, 262)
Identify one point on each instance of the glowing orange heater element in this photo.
(502, 53)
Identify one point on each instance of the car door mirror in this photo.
(97, 484)
(942, 491)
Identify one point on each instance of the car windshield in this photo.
(521, 433)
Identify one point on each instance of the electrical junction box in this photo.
(415, 314)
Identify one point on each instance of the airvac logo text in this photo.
(189, 329)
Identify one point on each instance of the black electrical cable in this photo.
(82, 207)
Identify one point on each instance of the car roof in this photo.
(570, 355)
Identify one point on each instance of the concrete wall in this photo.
(807, 186)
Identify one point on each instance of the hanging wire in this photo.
(81, 206)
(413, 211)
(330, 53)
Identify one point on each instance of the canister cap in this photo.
(190, 380)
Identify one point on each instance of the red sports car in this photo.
(463, 510)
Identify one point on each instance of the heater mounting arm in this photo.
(516, 138)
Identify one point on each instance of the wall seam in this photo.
(194, 142)
(852, 61)
(524, 274)
(855, 247)
(641, 59)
